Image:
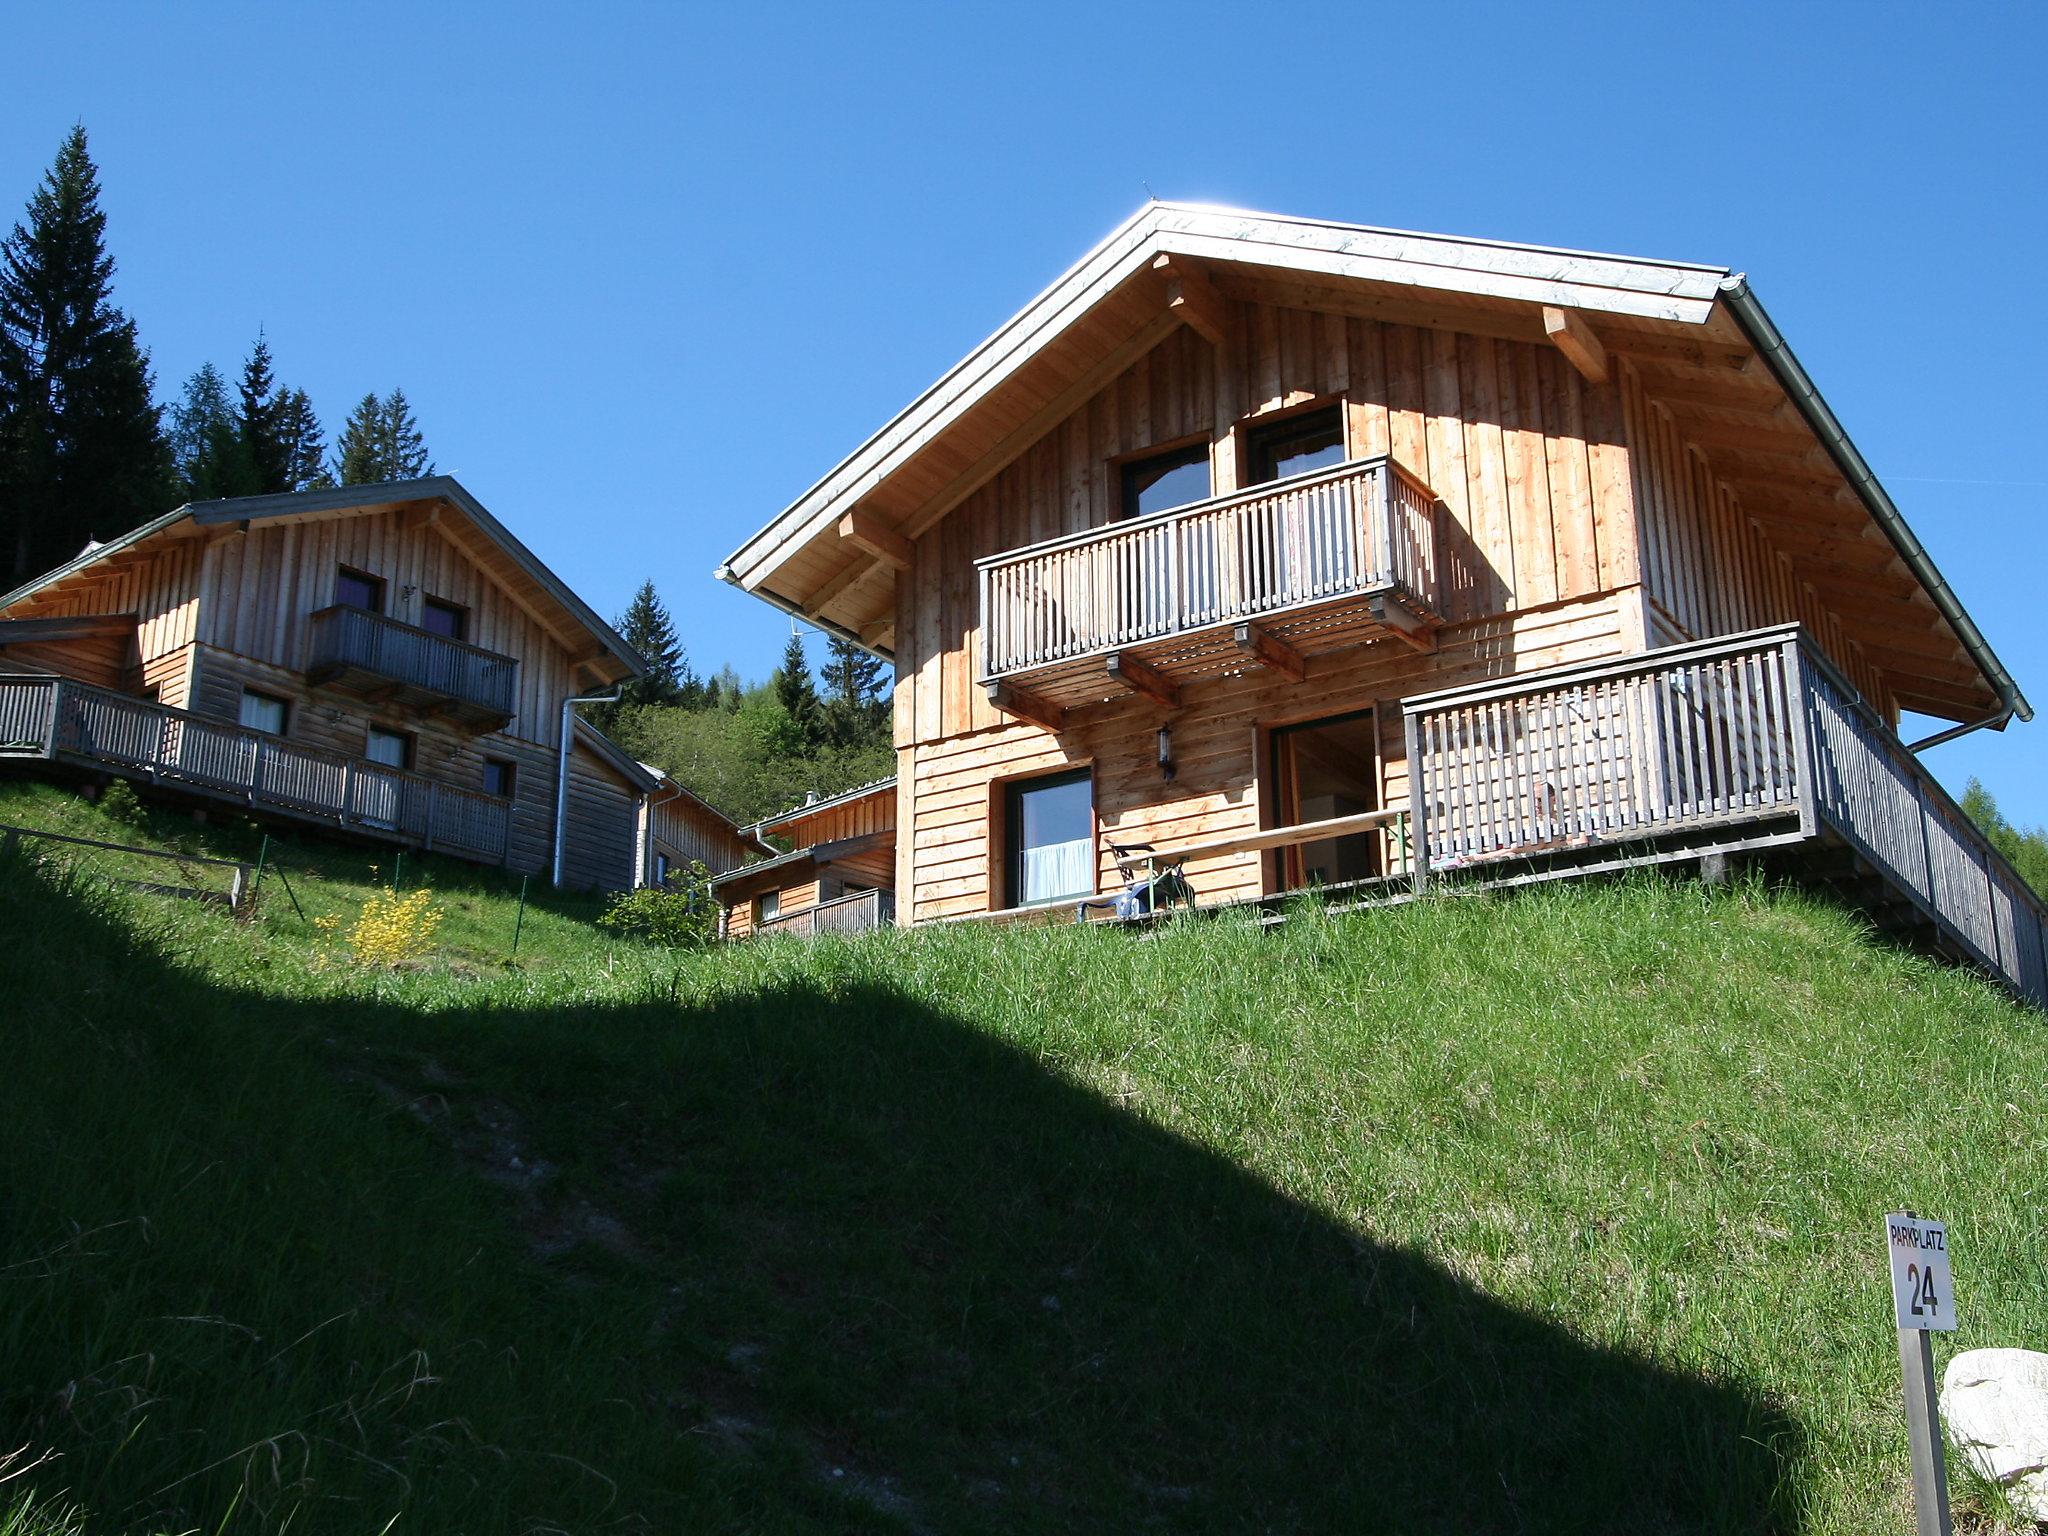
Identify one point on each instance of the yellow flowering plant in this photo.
(392, 929)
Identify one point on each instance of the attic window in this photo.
(1313, 440)
(354, 589)
(1162, 480)
(439, 617)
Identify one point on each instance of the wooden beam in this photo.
(1026, 706)
(833, 590)
(1575, 339)
(1274, 654)
(1140, 677)
(864, 531)
(876, 631)
(1403, 625)
(1192, 298)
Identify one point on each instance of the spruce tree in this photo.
(357, 458)
(305, 450)
(405, 449)
(82, 452)
(206, 448)
(259, 426)
(647, 627)
(798, 695)
(853, 685)
(381, 441)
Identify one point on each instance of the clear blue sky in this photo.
(646, 272)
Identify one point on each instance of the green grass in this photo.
(1554, 1213)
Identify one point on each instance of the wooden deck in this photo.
(855, 913)
(1263, 577)
(387, 661)
(63, 720)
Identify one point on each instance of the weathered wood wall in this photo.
(601, 844)
(858, 817)
(684, 830)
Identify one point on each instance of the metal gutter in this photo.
(1799, 386)
(725, 574)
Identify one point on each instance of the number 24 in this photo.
(1920, 1286)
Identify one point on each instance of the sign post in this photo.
(1924, 1299)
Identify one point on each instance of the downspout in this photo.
(1793, 378)
(649, 802)
(562, 768)
(1997, 720)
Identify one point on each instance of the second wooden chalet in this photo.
(832, 869)
(1315, 554)
(383, 660)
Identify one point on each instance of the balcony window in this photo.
(353, 589)
(498, 773)
(391, 748)
(1049, 827)
(1323, 769)
(263, 712)
(767, 906)
(1163, 480)
(447, 619)
(1295, 446)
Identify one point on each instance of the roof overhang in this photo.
(775, 874)
(879, 789)
(1701, 342)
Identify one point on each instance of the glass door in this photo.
(1323, 769)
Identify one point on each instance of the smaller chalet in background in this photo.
(838, 877)
(386, 660)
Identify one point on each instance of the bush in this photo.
(391, 929)
(119, 802)
(679, 915)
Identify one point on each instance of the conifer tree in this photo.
(206, 448)
(82, 452)
(357, 458)
(853, 687)
(259, 426)
(405, 449)
(798, 694)
(381, 441)
(647, 627)
(305, 450)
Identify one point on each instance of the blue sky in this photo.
(646, 272)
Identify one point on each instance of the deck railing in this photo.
(1745, 742)
(55, 717)
(1363, 528)
(346, 639)
(854, 913)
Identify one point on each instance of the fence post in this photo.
(1418, 803)
(56, 711)
(1804, 716)
(519, 922)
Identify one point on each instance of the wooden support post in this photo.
(1141, 677)
(866, 532)
(1026, 706)
(1271, 652)
(1193, 300)
(1575, 339)
(1418, 803)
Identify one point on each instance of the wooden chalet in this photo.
(836, 874)
(384, 660)
(1316, 554)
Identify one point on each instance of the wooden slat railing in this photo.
(57, 717)
(1748, 741)
(1363, 528)
(855, 913)
(351, 638)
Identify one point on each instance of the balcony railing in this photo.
(371, 653)
(1363, 530)
(855, 913)
(52, 717)
(1747, 742)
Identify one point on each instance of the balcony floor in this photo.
(1195, 655)
(414, 698)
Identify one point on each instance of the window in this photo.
(498, 777)
(767, 905)
(352, 589)
(1049, 830)
(661, 869)
(1323, 769)
(263, 712)
(391, 748)
(439, 618)
(1312, 440)
(1170, 479)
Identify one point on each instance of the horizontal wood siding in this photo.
(1710, 568)
(951, 790)
(860, 817)
(1526, 457)
(601, 846)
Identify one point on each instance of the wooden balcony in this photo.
(1749, 743)
(1266, 576)
(60, 719)
(386, 661)
(855, 913)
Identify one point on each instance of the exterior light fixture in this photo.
(1166, 769)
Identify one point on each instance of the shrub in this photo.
(119, 802)
(679, 915)
(392, 929)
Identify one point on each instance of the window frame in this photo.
(284, 712)
(767, 907)
(376, 584)
(1010, 821)
(460, 611)
(1186, 449)
(411, 740)
(511, 774)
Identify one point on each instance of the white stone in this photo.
(1994, 1409)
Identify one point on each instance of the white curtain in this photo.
(1059, 869)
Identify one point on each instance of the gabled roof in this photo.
(874, 787)
(1698, 326)
(346, 500)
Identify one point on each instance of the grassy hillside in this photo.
(1554, 1213)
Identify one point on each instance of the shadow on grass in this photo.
(885, 1270)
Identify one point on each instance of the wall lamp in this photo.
(1166, 768)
